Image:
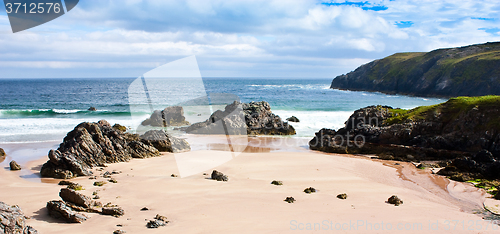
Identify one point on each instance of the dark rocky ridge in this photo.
(254, 118)
(465, 71)
(95, 144)
(462, 132)
(12, 220)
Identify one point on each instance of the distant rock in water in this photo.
(293, 119)
(170, 116)
(92, 109)
(95, 144)
(12, 220)
(254, 118)
(465, 71)
(455, 130)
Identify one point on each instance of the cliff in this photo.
(466, 71)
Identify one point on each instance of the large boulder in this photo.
(12, 220)
(254, 118)
(164, 142)
(170, 116)
(93, 144)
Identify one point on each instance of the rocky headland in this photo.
(94, 144)
(254, 118)
(462, 135)
(465, 71)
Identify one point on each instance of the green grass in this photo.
(449, 110)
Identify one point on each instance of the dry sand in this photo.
(248, 203)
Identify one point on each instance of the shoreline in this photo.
(241, 202)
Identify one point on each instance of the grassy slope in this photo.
(450, 109)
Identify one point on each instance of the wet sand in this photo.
(248, 203)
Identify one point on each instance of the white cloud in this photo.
(249, 38)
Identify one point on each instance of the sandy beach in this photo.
(249, 203)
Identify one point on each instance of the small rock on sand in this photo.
(216, 175)
(310, 190)
(289, 199)
(342, 196)
(14, 166)
(395, 200)
(277, 182)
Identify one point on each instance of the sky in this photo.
(258, 38)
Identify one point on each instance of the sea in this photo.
(44, 110)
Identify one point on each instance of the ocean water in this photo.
(40, 110)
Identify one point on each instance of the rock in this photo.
(113, 211)
(155, 223)
(71, 185)
(144, 209)
(14, 166)
(310, 190)
(12, 220)
(69, 195)
(218, 176)
(342, 196)
(395, 200)
(293, 119)
(277, 182)
(165, 142)
(112, 180)
(497, 196)
(170, 116)
(92, 109)
(120, 127)
(106, 174)
(289, 199)
(119, 232)
(174, 175)
(2, 152)
(59, 210)
(161, 218)
(99, 183)
(461, 131)
(254, 118)
(90, 145)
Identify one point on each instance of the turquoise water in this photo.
(37, 110)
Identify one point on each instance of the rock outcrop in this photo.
(170, 116)
(465, 71)
(455, 130)
(12, 220)
(95, 144)
(254, 118)
(164, 142)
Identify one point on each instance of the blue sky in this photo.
(259, 38)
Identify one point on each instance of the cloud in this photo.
(240, 38)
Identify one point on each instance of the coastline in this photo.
(248, 203)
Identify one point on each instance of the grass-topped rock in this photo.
(462, 132)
